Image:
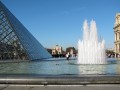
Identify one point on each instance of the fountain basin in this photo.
(59, 67)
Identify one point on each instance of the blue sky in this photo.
(60, 21)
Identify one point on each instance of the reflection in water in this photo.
(92, 69)
(59, 67)
(118, 67)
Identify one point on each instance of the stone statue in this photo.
(117, 21)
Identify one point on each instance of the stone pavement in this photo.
(61, 87)
(59, 82)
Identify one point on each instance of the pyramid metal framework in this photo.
(16, 42)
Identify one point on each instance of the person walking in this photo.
(68, 56)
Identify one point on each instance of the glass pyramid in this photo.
(16, 42)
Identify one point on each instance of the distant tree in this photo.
(110, 53)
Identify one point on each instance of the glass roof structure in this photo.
(16, 42)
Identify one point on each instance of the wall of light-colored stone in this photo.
(117, 34)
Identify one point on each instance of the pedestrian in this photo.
(68, 56)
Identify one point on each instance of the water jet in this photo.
(91, 50)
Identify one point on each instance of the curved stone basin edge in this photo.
(59, 79)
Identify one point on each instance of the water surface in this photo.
(58, 67)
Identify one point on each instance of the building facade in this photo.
(72, 51)
(57, 50)
(16, 42)
(117, 35)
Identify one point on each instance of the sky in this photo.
(60, 22)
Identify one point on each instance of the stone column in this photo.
(117, 47)
(117, 36)
(115, 50)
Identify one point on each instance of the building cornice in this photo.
(118, 41)
(116, 26)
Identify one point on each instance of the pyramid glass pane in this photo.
(16, 42)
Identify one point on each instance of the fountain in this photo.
(91, 50)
